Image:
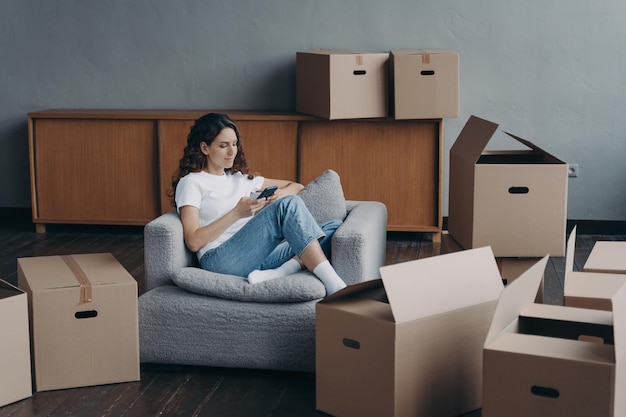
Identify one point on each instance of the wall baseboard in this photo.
(21, 217)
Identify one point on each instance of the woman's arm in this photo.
(197, 237)
(284, 187)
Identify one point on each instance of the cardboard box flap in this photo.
(569, 253)
(440, 284)
(534, 147)
(473, 139)
(516, 297)
(353, 289)
(53, 272)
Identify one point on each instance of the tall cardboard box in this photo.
(342, 85)
(83, 314)
(15, 371)
(588, 289)
(425, 83)
(409, 344)
(544, 360)
(608, 257)
(512, 200)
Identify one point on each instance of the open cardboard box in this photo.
(84, 321)
(512, 200)
(342, 84)
(607, 257)
(15, 371)
(424, 83)
(410, 343)
(588, 289)
(545, 361)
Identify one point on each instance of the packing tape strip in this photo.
(358, 59)
(425, 58)
(81, 277)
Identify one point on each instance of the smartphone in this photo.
(268, 192)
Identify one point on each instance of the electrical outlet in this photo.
(572, 170)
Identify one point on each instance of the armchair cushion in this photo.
(324, 197)
(301, 286)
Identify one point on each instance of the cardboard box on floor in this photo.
(424, 83)
(607, 257)
(15, 371)
(409, 344)
(544, 360)
(83, 314)
(342, 84)
(588, 289)
(510, 268)
(512, 200)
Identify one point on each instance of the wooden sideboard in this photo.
(115, 166)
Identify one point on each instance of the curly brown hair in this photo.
(205, 129)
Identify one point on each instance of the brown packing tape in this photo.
(81, 277)
(358, 59)
(425, 58)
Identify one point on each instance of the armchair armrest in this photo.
(164, 250)
(359, 244)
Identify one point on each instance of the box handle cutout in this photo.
(427, 72)
(593, 339)
(86, 314)
(518, 190)
(544, 391)
(351, 343)
(359, 72)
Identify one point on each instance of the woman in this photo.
(235, 234)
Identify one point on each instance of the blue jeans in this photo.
(277, 233)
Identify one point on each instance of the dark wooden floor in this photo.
(196, 391)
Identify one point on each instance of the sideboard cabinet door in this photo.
(93, 171)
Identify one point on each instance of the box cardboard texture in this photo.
(544, 360)
(588, 289)
(424, 84)
(514, 201)
(342, 85)
(409, 344)
(83, 314)
(15, 371)
(607, 257)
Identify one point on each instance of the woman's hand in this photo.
(247, 206)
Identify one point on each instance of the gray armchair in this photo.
(196, 317)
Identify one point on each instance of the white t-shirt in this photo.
(214, 196)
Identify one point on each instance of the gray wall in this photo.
(552, 72)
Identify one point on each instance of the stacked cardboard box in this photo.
(409, 84)
(15, 371)
(342, 85)
(424, 83)
(83, 316)
(411, 343)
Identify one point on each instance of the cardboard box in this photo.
(545, 360)
(588, 289)
(342, 85)
(409, 344)
(512, 200)
(83, 315)
(510, 268)
(424, 84)
(15, 371)
(608, 257)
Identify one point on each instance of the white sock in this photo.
(290, 267)
(327, 274)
